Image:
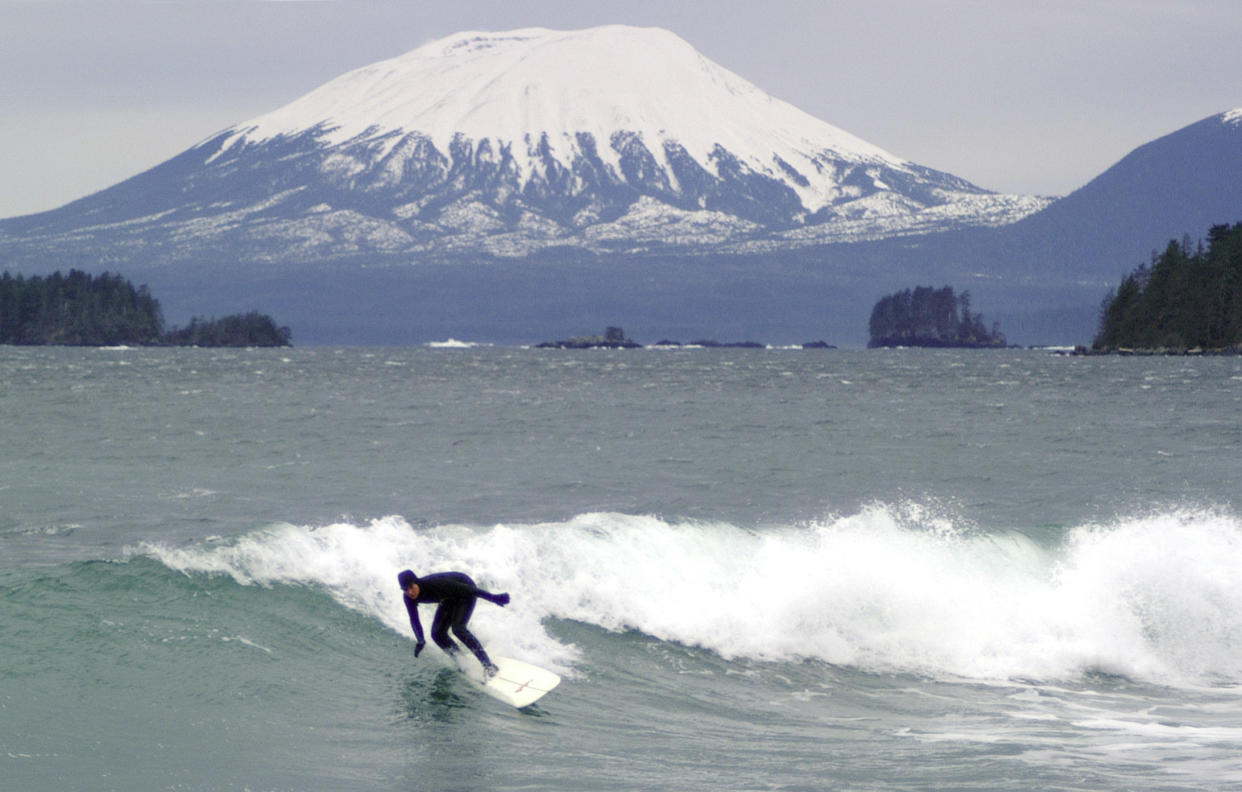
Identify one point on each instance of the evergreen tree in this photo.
(930, 317)
(1185, 299)
(79, 309)
(252, 329)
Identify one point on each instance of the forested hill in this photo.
(1185, 299)
(930, 317)
(80, 309)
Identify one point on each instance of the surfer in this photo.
(456, 593)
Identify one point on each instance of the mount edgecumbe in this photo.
(513, 185)
(612, 138)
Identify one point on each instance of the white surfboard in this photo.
(517, 684)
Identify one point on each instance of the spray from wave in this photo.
(891, 588)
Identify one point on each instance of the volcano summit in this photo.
(611, 139)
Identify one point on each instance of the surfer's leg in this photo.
(440, 627)
(461, 615)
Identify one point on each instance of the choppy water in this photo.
(757, 569)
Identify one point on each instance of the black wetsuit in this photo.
(456, 593)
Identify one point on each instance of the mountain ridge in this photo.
(1176, 185)
(384, 238)
(511, 143)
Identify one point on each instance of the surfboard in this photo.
(517, 684)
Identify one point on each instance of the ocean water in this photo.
(755, 569)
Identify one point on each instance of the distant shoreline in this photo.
(1161, 351)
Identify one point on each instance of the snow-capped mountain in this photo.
(611, 138)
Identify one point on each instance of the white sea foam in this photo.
(453, 343)
(889, 589)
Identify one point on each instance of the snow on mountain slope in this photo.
(606, 139)
(514, 88)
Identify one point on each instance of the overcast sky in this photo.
(1027, 96)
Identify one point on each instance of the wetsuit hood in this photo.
(407, 578)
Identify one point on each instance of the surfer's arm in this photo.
(455, 585)
(469, 589)
(412, 607)
(499, 599)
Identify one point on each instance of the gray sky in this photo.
(1027, 96)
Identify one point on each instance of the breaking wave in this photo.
(891, 588)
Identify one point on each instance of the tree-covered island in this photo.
(80, 309)
(1183, 301)
(613, 338)
(929, 317)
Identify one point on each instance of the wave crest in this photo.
(892, 588)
